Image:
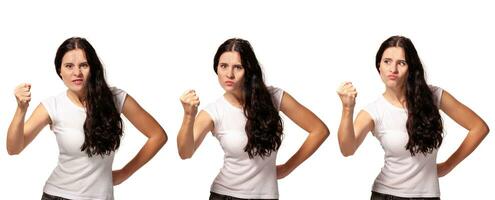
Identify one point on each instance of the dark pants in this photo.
(380, 196)
(216, 196)
(51, 197)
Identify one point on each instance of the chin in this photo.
(229, 88)
(76, 89)
(391, 84)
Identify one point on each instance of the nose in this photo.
(230, 73)
(394, 68)
(77, 72)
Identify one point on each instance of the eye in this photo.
(386, 61)
(84, 65)
(223, 66)
(68, 66)
(239, 67)
(402, 63)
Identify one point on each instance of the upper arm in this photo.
(363, 124)
(141, 119)
(202, 125)
(459, 112)
(300, 115)
(36, 122)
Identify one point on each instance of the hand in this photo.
(23, 95)
(443, 169)
(283, 171)
(119, 176)
(347, 93)
(190, 102)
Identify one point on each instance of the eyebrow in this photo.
(228, 64)
(70, 63)
(392, 59)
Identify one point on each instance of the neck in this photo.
(77, 98)
(236, 98)
(396, 95)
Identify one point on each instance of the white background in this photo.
(156, 50)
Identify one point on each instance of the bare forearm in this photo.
(470, 143)
(310, 145)
(185, 138)
(150, 148)
(346, 134)
(15, 134)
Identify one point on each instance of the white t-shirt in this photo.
(402, 174)
(77, 176)
(241, 176)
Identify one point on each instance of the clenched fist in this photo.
(23, 95)
(347, 93)
(190, 102)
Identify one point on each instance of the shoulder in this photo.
(373, 109)
(119, 97)
(277, 95)
(214, 110)
(437, 93)
(117, 91)
(378, 102)
(435, 89)
(213, 107)
(275, 91)
(53, 100)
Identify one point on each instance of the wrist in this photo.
(126, 171)
(189, 116)
(349, 109)
(450, 164)
(22, 109)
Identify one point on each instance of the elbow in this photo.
(482, 128)
(163, 138)
(13, 149)
(485, 128)
(323, 132)
(346, 152)
(184, 152)
(13, 152)
(159, 138)
(326, 132)
(184, 155)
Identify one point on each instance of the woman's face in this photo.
(75, 70)
(230, 72)
(394, 68)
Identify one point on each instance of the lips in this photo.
(229, 83)
(77, 81)
(392, 77)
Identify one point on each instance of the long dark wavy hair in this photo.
(424, 123)
(264, 125)
(103, 126)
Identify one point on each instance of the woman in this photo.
(407, 122)
(247, 123)
(87, 124)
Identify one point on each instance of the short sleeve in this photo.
(277, 95)
(50, 106)
(373, 110)
(437, 94)
(119, 98)
(212, 111)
